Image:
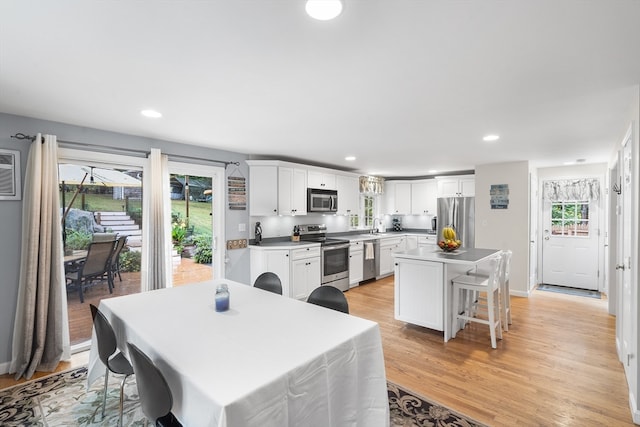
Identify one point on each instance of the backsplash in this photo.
(281, 226)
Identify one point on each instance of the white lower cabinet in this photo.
(298, 269)
(388, 246)
(419, 293)
(426, 241)
(412, 242)
(356, 263)
(305, 271)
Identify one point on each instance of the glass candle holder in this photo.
(222, 297)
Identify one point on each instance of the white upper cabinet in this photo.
(424, 197)
(397, 197)
(292, 191)
(348, 194)
(322, 180)
(263, 190)
(457, 186)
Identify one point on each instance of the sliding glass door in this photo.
(196, 222)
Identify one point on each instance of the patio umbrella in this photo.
(74, 174)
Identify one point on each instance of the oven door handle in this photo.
(340, 246)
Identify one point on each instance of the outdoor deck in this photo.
(80, 323)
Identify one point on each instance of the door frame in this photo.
(601, 217)
(217, 175)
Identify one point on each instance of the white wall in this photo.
(505, 228)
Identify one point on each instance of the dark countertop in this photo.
(461, 256)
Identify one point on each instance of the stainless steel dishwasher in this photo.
(371, 267)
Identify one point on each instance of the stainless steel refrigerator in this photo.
(459, 213)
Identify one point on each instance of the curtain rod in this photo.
(22, 136)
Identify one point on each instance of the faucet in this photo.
(374, 229)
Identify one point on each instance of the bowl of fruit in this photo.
(449, 245)
(450, 241)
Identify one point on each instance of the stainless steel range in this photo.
(334, 255)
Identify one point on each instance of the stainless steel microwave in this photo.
(322, 200)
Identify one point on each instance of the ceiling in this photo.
(405, 86)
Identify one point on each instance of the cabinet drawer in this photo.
(427, 239)
(305, 253)
(390, 242)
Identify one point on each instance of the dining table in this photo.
(268, 360)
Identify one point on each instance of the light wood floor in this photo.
(556, 366)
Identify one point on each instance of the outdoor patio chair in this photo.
(114, 264)
(94, 268)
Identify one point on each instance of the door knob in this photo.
(546, 238)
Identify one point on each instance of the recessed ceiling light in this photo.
(151, 114)
(568, 163)
(323, 10)
(350, 158)
(433, 171)
(489, 138)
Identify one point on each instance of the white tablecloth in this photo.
(268, 361)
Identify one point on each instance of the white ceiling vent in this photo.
(9, 175)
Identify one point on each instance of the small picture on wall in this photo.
(499, 196)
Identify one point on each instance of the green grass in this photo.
(199, 212)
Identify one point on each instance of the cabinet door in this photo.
(292, 188)
(356, 264)
(412, 242)
(431, 197)
(348, 195)
(263, 190)
(448, 187)
(305, 277)
(386, 260)
(323, 180)
(419, 198)
(278, 262)
(467, 187)
(403, 198)
(419, 293)
(299, 192)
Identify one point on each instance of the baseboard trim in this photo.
(635, 415)
(4, 368)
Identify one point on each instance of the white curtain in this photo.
(41, 330)
(565, 190)
(156, 269)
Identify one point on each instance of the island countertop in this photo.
(469, 256)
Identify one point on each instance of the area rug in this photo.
(569, 291)
(63, 400)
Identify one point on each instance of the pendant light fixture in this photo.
(323, 10)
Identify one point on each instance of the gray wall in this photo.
(506, 228)
(237, 268)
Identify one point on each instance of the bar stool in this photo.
(505, 292)
(466, 285)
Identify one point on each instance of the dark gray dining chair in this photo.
(329, 297)
(114, 263)
(108, 352)
(94, 268)
(269, 281)
(155, 395)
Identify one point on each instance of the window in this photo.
(368, 214)
(570, 218)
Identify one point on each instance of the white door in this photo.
(570, 244)
(624, 263)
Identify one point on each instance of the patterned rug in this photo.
(63, 400)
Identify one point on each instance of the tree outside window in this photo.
(570, 218)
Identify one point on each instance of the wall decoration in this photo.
(499, 196)
(237, 191)
(10, 187)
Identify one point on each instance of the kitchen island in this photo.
(423, 289)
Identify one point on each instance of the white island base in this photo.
(423, 289)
